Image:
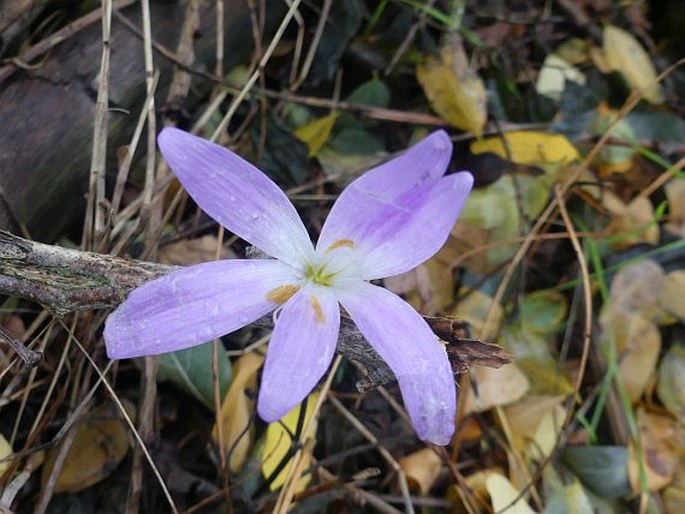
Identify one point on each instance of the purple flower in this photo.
(386, 222)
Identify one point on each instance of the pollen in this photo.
(282, 294)
(318, 312)
(340, 243)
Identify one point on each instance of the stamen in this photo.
(318, 311)
(339, 244)
(282, 294)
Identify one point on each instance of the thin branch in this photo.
(65, 280)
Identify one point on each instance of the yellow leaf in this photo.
(453, 89)
(529, 147)
(278, 443)
(237, 410)
(422, 469)
(623, 53)
(316, 132)
(502, 495)
(5, 450)
(100, 445)
(660, 445)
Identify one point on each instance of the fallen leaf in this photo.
(193, 251)
(529, 147)
(495, 387)
(454, 90)
(672, 297)
(632, 223)
(100, 444)
(675, 192)
(533, 356)
(535, 423)
(278, 444)
(5, 450)
(671, 386)
(659, 449)
(637, 343)
(474, 307)
(636, 288)
(429, 286)
(422, 469)
(190, 370)
(603, 469)
(237, 410)
(543, 312)
(315, 133)
(554, 74)
(505, 497)
(624, 53)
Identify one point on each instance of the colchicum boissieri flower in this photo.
(386, 222)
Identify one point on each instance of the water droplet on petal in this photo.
(231, 198)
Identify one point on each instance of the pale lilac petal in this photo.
(237, 195)
(396, 216)
(301, 349)
(404, 340)
(400, 238)
(193, 305)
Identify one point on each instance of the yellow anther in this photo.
(282, 294)
(339, 244)
(318, 311)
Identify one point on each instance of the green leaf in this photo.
(603, 469)
(191, 371)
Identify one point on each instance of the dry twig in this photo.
(65, 280)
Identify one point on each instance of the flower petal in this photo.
(404, 237)
(300, 351)
(396, 216)
(237, 195)
(404, 340)
(194, 305)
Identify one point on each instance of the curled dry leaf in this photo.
(422, 468)
(237, 410)
(624, 54)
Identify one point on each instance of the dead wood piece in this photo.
(65, 280)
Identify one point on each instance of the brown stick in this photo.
(65, 280)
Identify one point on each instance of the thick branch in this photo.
(65, 280)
